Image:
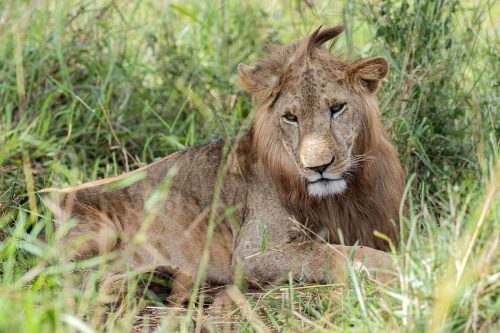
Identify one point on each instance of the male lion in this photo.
(315, 167)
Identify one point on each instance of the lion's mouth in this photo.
(323, 180)
(325, 177)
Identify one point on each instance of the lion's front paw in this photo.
(378, 265)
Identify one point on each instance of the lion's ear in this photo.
(368, 72)
(256, 81)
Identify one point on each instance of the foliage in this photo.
(92, 88)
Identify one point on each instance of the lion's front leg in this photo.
(271, 260)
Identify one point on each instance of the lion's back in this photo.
(190, 171)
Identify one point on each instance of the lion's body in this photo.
(274, 204)
(177, 224)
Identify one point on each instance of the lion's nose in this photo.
(321, 168)
(316, 152)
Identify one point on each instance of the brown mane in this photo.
(375, 185)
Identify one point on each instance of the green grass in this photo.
(89, 89)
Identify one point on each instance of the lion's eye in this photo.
(337, 108)
(290, 118)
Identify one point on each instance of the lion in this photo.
(308, 185)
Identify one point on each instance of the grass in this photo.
(89, 89)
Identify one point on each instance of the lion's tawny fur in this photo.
(280, 203)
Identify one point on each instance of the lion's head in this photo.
(317, 116)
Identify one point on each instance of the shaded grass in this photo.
(90, 89)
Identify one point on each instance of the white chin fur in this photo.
(325, 187)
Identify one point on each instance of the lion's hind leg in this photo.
(113, 284)
(93, 234)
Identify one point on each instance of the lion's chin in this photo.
(324, 187)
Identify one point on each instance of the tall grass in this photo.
(90, 89)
